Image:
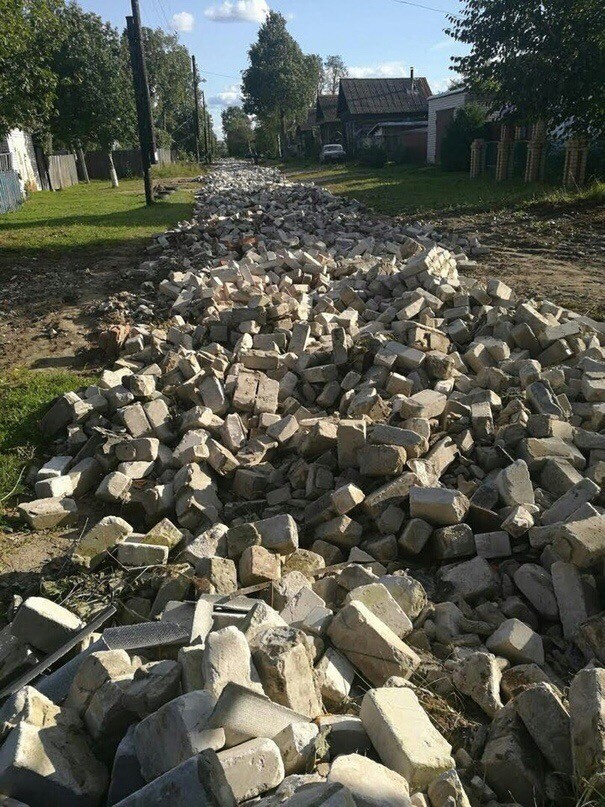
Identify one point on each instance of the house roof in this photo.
(327, 108)
(382, 96)
(310, 123)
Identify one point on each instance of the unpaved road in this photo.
(544, 251)
(49, 313)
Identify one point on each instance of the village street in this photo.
(347, 505)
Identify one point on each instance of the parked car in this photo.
(332, 153)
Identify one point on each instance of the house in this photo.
(365, 102)
(330, 127)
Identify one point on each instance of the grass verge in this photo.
(24, 397)
(87, 221)
(178, 170)
(427, 190)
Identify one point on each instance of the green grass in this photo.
(87, 221)
(426, 190)
(24, 397)
(179, 169)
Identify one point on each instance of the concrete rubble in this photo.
(361, 495)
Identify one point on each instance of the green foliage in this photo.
(238, 131)
(372, 156)
(467, 125)
(541, 59)
(24, 397)
(170, 78)
(30, 33)
(95, 102)
(281, 81)
(334, 69)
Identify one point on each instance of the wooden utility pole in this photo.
(143, 99)
(207, 149)
(196, 119)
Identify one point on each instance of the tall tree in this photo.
(169, 70)
(539, 58)
(281, 80)
(238, 131)
(94, 102)
(334, 69)
(30, 33)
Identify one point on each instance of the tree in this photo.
(170, 80)
(334, 69)
(541, 59)
(467, 125)
(238, 131)
(30, 33)
(281, 80)
(95, 104)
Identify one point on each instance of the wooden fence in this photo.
(62, 171)
(127, 163)
(11, 196)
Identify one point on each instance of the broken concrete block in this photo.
(547, 720)
(371, 784)
(517, 642)
(93, 547)
(406, 740)
(46, 514)
(438, 506)
(587, 713)
(377, 599)
(252, 768)
(44, 624)
(285, 667)
(227, 658)
(200, 778)
(176, 732)
(370, 645)
(296, 745)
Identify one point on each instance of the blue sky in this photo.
(374, 37)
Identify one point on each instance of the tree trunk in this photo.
(112, 171)
(82, 161)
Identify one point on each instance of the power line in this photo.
(427, 8)
(222, 75)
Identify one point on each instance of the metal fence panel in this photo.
(11, 196)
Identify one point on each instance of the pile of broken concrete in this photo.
(363, 494)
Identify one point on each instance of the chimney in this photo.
(412, 79)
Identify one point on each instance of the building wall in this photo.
(21, 147)
(440, 104)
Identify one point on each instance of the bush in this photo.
(373, 156)
(467, 125)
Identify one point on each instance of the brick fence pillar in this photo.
(576, 155)
(534, 164)
(477, 147)
(505, 146)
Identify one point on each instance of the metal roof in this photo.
(383, 96)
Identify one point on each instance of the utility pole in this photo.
(196, 121)
(207, 149)
(143, 99)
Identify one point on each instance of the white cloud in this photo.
(183, 21)
(381, 70)
(238, 11)
(444, 44)
(230, 96)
